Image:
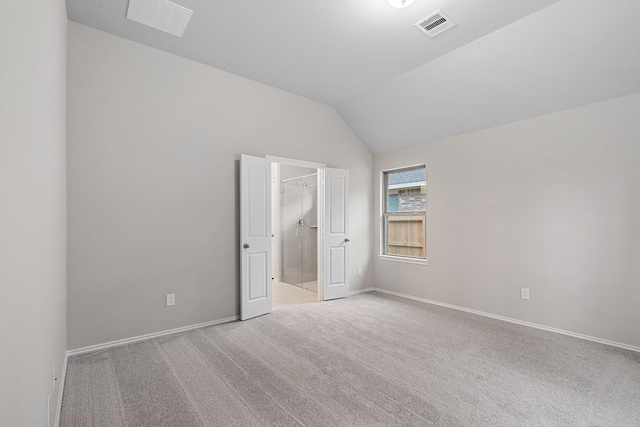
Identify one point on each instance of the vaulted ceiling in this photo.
(505, 60)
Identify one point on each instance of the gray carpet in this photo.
(369, 360)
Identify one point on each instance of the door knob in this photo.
(346, 239)
(246, 246)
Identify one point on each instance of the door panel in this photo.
(336, 241)
(255, 235)
(257, 276)
(338, 261)
(257, 200)
(337, 205)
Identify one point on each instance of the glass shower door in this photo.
(298, 216)
(309, 197)
(292, 231)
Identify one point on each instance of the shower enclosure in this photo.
(299, 227)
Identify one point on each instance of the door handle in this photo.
(246, 246)
(346, 239)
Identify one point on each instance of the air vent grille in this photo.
(435, 23)
(162, 15)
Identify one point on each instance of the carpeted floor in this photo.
(368, 360)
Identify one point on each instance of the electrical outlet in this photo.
(359, 271)
(171, 300)
(524, 293)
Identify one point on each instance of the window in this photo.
(405, 212)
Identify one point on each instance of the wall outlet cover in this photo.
(171, 300)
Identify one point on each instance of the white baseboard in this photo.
(510, 320)
(147, 336)
(360, 291)
(63, 376)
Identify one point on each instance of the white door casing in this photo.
(276, 257)
(335, 282)
(255, 236)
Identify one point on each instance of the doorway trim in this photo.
(295, 162)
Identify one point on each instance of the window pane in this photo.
(407, 190)
(392, 202)
(406, 235)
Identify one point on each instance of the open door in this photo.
(336, 238)
(255, 235)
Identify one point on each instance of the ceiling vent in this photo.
(435, 23)
(162, 15)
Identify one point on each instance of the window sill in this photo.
(403, 259)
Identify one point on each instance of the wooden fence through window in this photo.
(406, 235)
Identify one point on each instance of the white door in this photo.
(336, 234)
(255, 235)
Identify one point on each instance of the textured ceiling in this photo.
(505, 60)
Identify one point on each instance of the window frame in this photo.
(384, 217)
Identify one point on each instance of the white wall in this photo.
(33, 48)
(154, 143)
(551, 204)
